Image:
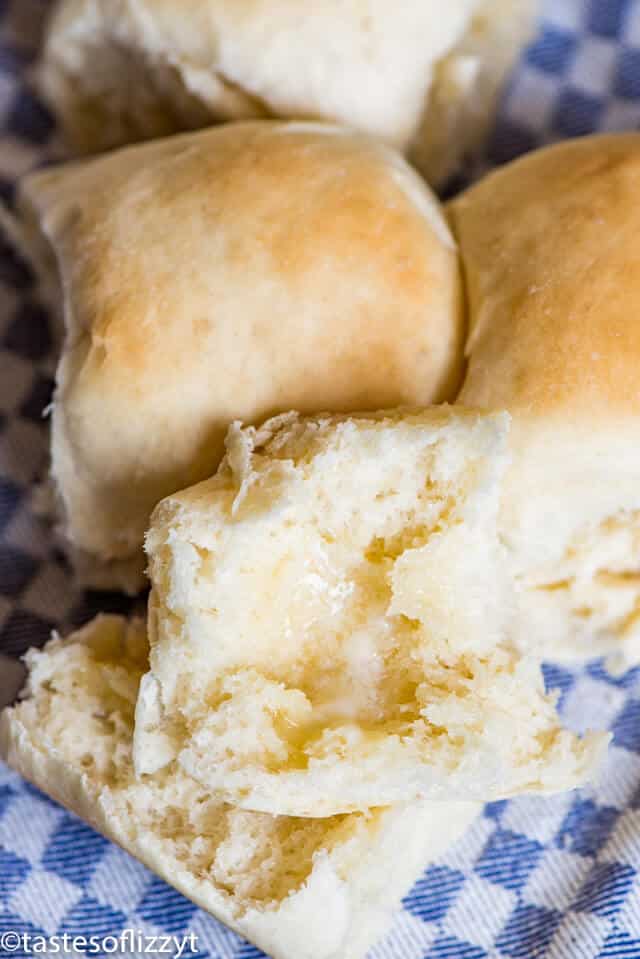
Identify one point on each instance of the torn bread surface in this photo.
(329, 623)
(298, 888)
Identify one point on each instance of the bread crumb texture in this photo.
(266, 876)
(587, 602)
(329, 623)
(82, 697)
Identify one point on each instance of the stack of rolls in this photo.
(375, 458)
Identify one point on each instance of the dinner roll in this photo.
(298, 888)
(233, 273)
(551, 255)
(422, 76)
(329, 623)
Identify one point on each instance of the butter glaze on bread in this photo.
(330, 623)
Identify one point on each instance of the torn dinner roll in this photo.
(297, 888)
(330, 623)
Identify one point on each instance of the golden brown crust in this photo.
(552, 263)
(232, 274)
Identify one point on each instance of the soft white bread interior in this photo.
(298, 888)
(122, 71)
(236, 272)
(329, 623)
(552, 265)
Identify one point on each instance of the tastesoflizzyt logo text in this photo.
(128, 941)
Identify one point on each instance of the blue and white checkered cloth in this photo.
(534, 878)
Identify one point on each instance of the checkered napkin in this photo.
(550, 879)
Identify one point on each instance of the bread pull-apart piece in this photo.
(230, 274)
(298, 888)
(552, 264)
(329, 623)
